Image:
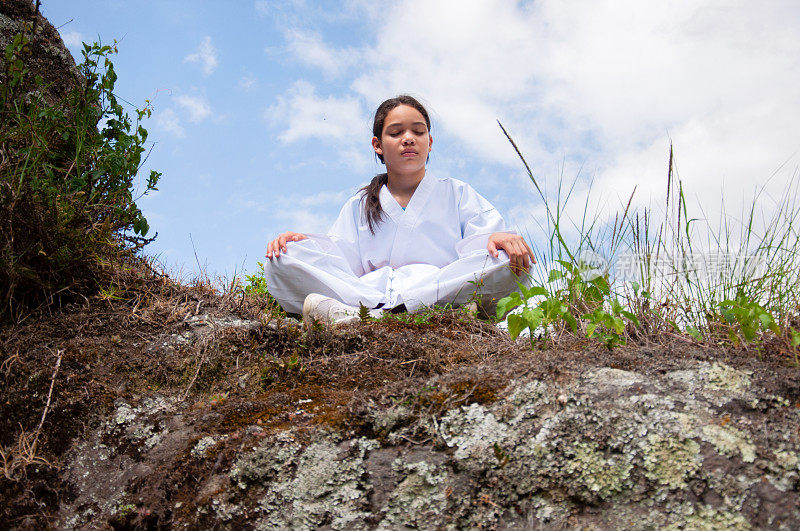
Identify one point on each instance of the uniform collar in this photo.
(390, 205)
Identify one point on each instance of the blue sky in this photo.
(262, 109)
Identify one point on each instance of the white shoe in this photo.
(327, 310)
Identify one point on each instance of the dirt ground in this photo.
(230, 367)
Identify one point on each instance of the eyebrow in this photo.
(400, 124)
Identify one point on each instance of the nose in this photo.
(408, 139)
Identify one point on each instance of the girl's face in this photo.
(405, 141)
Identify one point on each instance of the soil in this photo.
(198, 364)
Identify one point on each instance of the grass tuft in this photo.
(646, 274)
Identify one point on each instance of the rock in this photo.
(610, 449)
(47, 55)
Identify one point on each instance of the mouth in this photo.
(409, 153)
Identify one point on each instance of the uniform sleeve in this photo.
(479, 219)
(344, 233)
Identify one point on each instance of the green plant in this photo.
(363, 313)
(673, 270)
(571, 293)
(746, 317)
(501, 455)
(67, 205)
(608, 325)
(423, 317)
(576, 289)
(257, 283)
(278, 369)
(218, 398)
(794, 341)
(475, 302)
(608, 319)
(795, 337)
(536, 317)
(125, 510)
(256, 286)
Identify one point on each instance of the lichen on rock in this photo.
(706, 518)
(266, 461)
(597, 473)
(670, 460)
(326, 487)
(306, 486)
(729, 441)
(723, 377)
(420, 498)
(473, 431)
(203, 445)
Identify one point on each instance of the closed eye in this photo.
(398, 132)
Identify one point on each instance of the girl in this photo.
(407, 240)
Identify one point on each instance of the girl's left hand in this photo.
(516, 248)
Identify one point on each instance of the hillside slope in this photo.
(171, 405)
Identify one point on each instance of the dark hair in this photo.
(371, 199)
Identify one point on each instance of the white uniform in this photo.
(427, 254)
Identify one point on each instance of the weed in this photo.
(363, 313)
(570, 293)
(665, 274)
(256, 287)
(278, 369)
(501, 455)
(794, 340)
(479, 306)
(609, 325)
(531, 318)
(67, 205)
(424, 317)
(218, 398)
(26, 450)
(125, 510)
(746, 317)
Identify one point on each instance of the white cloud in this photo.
(205, 56)
(716, 77)
(337, 122)
(309, 48)
(326, 198)
(309, 214)
(305, 12)
(72, 39)
(604, 82)
(195, 107)
(168, 121)
(267, 7)
(304, 220)
(312, 116)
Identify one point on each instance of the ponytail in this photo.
(372, 201)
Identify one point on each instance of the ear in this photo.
(430, 142)
(376, 145)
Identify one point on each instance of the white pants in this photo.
(316, 266)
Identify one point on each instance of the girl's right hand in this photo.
(279, 244)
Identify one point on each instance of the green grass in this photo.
(736, 280)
